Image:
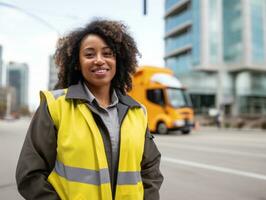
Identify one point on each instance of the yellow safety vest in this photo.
(81, 169)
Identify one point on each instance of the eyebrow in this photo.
(88, 49)
(92, 49)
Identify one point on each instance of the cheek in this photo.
(85, 64)
(84, 69)
(114, 65)
(114, 69)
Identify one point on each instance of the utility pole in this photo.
(145, 7)
(36, 18)
(31, 15)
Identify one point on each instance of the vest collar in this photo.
(78, 92)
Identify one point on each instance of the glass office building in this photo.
(217, 48)
(18, 77)
(1, 68)
(53, 71)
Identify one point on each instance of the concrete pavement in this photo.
(205, 165)
(213, 164)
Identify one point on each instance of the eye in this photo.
(90, 54)
(108, 53)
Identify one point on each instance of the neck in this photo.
(102, 94)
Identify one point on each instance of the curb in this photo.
(233, 129)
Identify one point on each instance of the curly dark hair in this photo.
(116, 36)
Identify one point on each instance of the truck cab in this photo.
(165, 98)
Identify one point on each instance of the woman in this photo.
(90, 140)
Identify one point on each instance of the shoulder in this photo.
(52, 95)
(144, 109)
(54, 101)
(132, 103)
(127, 100)
(58, 93)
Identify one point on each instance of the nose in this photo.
(99, 60)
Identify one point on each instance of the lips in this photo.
(99, 70)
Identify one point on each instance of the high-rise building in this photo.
(18, 77)
(1, 68)
(218, 50)
(7, 101)
(53, 71)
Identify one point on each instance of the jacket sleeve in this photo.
(37, 158)
(150, 173)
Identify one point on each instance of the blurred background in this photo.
(215, 48)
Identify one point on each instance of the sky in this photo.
(25, 39)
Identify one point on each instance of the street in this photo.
(12, 135)
(214, 164)
(209, 164)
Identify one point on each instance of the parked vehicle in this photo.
(167, 102)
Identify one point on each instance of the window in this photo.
(178, 98)
(156, 96)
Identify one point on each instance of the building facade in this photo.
(18, 77)
(53, 71)
(7, 101)
(217, 48)
(1, 67)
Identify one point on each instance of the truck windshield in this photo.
(178, 97)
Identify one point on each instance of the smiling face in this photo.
(97, 62)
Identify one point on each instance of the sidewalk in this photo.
(233, 129)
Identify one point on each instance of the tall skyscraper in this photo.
(1, 68)
(53, 78)
(18, 77)
(218, 50)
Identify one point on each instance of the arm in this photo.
(37, 158)
(150, 172)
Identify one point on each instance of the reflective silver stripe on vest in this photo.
(82, 175)
(93, 176)
(58, 93)
(128, 178)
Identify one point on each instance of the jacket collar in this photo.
(78, 92)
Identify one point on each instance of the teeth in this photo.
(99, 70)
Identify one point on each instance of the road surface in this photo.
(209, 164)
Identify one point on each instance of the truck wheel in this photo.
(162, 129)
(185, 131)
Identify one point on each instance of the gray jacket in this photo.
(38, 153)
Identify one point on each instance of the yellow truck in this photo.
(167, 102)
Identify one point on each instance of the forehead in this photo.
(92, 40)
